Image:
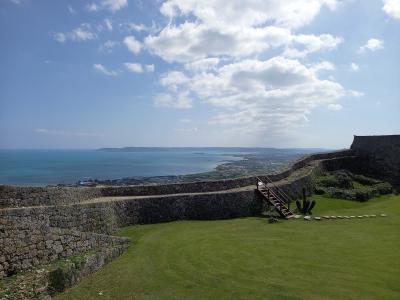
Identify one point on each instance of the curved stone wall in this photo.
(14, 196)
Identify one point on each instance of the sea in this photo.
(51, 167)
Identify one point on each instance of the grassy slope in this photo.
(250, 259)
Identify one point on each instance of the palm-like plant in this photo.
(306, 206)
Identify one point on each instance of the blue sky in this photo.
(111, 73)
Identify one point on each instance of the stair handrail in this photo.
(272, 192)
(279, 190)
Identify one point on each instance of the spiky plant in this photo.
(306, 206)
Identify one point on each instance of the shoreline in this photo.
(255, 162)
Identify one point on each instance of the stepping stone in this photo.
(340, 217)
(352, 216)
(383, 215)
(373, 216)
(326, 217)
(333, 217)
(318, 218)
(297, 216)
(360, 217)
(366, 216)
(346, 217)
(307, 218)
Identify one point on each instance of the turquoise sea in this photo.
(43, 167)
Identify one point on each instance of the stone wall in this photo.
(27, 239)
(20, 196)
(14, 196)
(380, 156)
(51, 227)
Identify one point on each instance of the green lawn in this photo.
(251, 259)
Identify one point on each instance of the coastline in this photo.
(238, 162)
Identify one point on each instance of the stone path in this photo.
(319, 218)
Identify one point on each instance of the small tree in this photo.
(306, 206)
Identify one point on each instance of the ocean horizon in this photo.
(41, 167)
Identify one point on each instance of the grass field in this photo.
(251, 259)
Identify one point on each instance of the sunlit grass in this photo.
(251, 259)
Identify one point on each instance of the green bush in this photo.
(345, 185)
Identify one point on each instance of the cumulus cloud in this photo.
(372, 45)
(354, 67)
(139, 68)
(392, 8)
(180, 101)
(102, 69)
(217, 49)
(134, 67)
(132, 44)
(204, 64)
(149, 68)
(311, 43)
(80, 34)
(219, 13)
(112, 5)
(259, 94)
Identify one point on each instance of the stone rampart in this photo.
(27, 239)
(380, 156)
(13, 196)
(20, 196)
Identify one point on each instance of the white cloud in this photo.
(17, 2)
(311, 43)
(180, 101)
(220, 13)
(108, 46)
(325, 65)
(102, 69)
(204, 64)
(174, 79)
(392, 8)
(108, 24)
(59, 37)
(274, 94)
(92, 7)
(372, 45)
(149, 68)
(134, 67)
(112, 5)
(138, 68)
(80, 34)
(334, 107)
(258, 25)
(354, 67)
(132, 44)
(218, 47)
(67, 133)
(71, 10)
(129, 26)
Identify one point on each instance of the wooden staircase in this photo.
(274, 197)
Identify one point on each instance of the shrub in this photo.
(341, 184)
